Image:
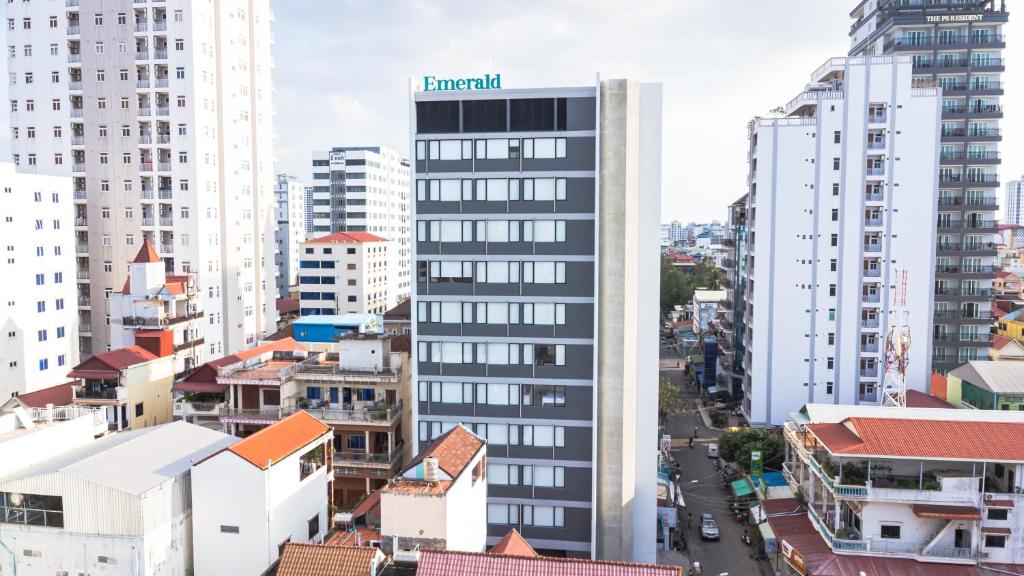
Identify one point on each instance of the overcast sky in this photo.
(342, 70)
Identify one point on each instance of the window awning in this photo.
(946, 512)
(741, 488)
(995, 530)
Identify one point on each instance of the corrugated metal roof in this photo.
(996, 376)
(134, 461)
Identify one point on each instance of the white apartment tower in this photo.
(841, 197)
(161, 112)
(38, 321)
(956, 45)
(290, 210)
(365, 189)
(1012, 208)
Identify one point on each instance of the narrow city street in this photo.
(703, 488)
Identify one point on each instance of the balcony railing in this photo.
(142, 83)
(361, 458)
(119, 393)
(142, 55)
(873, 273)
(869, 372)
(869, 322)
(167, 248)
(869, 347)
(872, 298)
(182, 408)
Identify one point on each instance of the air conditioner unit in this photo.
(990, 496)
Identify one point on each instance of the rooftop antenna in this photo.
(897, 346)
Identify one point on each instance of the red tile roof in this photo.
(287, 305)
(904, 438)
(918, 399)
(513, 544)
(348, 238)
(401, 311)
(450, 563)
(371, 501)
(108, 364)
(998, 340)
(204, 379)
(994, 529)
(147, 254)
(59, 395)
(278, 441)
(358, 536)
(454, 450)
(945, 512)
(319, 560)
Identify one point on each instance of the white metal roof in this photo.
(135, 461)
(832, 413)
(997, 376)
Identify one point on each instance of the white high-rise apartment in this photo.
(161, 112)
(290, 207)
(38, 321)
(957, 45)
(841, 198)
(365, 189)
(1014, 197)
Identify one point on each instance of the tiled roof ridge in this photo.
(584, 561)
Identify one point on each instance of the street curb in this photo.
(707, 419)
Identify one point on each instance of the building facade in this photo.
(365, 189)
(956, 45)
(1012, 208)
(836, 208)
(536, 222)
(259, 493)
(159, 312)
(734, 281)
(290, 210)
(132, 386)
(933, 485)
(345, 272)
(161, 113)
(38, 322)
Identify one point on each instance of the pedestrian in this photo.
(691, 441)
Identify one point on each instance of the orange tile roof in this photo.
(348, 238)
(905, 438)
(513, 544)
(319, 560)
(450, 563)
(278, 441)
(998, 340)
(147, 254)
(204, 379)
(918, 399)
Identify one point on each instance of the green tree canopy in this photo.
(678, 288)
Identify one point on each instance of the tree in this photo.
(668, 397)
(678, 288)
(736, 447)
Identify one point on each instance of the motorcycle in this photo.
(746, 538)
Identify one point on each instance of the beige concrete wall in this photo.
(150, 383)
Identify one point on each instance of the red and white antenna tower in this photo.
(897, 347)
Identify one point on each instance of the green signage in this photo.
(755, 463)
(486, 82)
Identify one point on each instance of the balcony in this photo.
(189, 344)
(80, 195)
(145, 139)
(878, 118)
(869, 372)
(82, 248)
(166, 221)
(872, 247)
(164, 167)
(160, 54)
(166, 194)
(354, 462)
(333, 372)
(84, 328)
(161, 82)
(142, 55)
(141, 27)
(78, 167)
(163, 138)
(159, 25)
(874, 197)
(184, 409)
(871, 298)
(78, 140)
(152, 322)
(81, 222)
(74, 30)
(101, 394)
(876, 145)
(84, 301)
(869, 322)
(869, 347)
(75, 85)
(872, 272)
(74, 57)
(147, 194)
(83, 275)
(876, 170)
(162, 110)
(142, 83)
(873, 222)
(145, 111)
